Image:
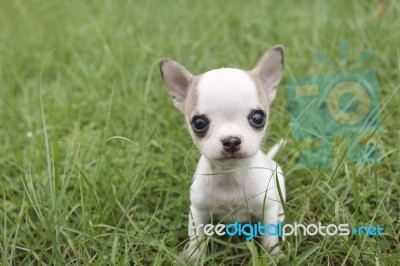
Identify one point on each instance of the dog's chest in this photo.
(233, 200)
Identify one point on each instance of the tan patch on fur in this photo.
(262, 95)
(192, 97)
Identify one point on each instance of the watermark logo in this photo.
(280, 229)
(343, 104)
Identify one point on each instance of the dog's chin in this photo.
(227, 156)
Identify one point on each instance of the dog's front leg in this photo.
(197, 220)
(271, 217)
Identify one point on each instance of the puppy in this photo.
(227, 113)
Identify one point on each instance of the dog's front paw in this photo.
(192, 255)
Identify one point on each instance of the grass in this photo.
(96, 163)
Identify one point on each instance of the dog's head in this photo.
(226, 109)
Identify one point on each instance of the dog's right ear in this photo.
(269, 69)
(176, 80)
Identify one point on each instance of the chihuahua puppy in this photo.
(227, 113)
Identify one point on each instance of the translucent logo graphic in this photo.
(343, 104)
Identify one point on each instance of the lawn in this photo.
(96, 163)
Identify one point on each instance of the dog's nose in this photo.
(231, 144)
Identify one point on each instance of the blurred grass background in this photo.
(96, 163)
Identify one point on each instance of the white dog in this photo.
(227, 113)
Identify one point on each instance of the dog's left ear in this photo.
(269, 70)
(176, 80)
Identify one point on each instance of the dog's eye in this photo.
(257, 118)
(199, 123)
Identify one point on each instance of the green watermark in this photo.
(343, 104)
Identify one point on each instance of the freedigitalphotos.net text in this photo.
(280, 229)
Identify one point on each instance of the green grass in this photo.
(105, 176)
